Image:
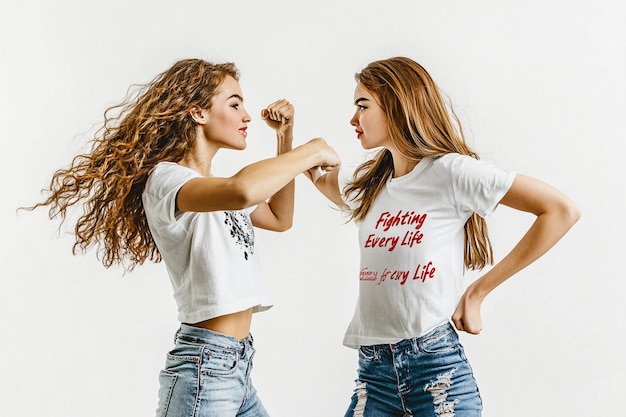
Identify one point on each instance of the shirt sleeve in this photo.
(478, 186)
(159, 197)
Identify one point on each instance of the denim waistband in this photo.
(205, 336)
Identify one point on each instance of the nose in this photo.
(354, 121)
(246, 117)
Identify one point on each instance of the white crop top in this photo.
(210, 257)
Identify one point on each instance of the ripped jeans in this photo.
(207, 374)
(426, 376)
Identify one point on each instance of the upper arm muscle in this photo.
(534, 196)
(210, 194)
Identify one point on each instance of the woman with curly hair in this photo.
(420, 204)
(147, 193)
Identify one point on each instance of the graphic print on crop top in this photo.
(241, 230)
(402, 232)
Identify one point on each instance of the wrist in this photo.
(284, 136)
(312, 155)
(284, 130)
(477, 290)
(284, 141)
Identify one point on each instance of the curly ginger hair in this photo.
(150, 126)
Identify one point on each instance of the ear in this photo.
(199, 115)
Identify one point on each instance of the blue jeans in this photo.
(426, 376)
(207, 374)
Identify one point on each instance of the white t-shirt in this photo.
(210, 257)
(412, 245)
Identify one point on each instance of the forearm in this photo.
(545, 232)
(282, 202)
(328, 185)
(555, 216)
(261, 180)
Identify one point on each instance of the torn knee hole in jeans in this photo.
(361, 395)
(439, 390)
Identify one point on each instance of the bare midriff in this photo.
(236, 325)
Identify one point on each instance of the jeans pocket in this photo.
(220, 363)
(184, 356)
(367, 353)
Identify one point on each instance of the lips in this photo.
(244, 131)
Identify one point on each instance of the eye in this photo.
(235, 106)
(360, 107)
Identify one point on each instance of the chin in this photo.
(239, 145)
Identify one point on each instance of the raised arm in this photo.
(256, 182)
(556, 214)
(277, 213)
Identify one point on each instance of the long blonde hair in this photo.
(149, 126)
(420, 125)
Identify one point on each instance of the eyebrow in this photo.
(360, 100)
(236, 96)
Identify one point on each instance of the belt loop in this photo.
(243, 347)
(416, 344)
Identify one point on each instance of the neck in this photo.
(402, 165)
(200, 156)
(200, 164)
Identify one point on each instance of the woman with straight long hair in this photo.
(420, 204)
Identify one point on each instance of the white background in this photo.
(540, 86)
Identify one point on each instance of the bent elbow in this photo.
(284, 226)
(242, 195)
(569, 212)
(574, 213)
(276, 225)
